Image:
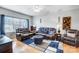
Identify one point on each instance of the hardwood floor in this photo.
(70, 49)
(19, 47)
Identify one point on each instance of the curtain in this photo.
(2, 25)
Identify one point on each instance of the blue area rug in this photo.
(53, 45)
(28, 41)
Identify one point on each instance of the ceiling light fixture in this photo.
(37, 8)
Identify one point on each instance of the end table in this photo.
(58, 36)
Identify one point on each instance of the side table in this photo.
(58, 36)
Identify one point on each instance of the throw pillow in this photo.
(51, 32)
(71, 34)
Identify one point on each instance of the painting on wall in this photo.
(67, 23)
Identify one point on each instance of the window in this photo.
(11, 24)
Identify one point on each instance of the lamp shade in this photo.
(58, 25)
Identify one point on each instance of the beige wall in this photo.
(51, 20)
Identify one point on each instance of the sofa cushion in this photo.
(72, 31)
(44, 31)
(22, 30)
(71, 35)
(50, 32)
(47, 30)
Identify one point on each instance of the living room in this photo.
(40, 28)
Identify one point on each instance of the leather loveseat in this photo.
(72, 37)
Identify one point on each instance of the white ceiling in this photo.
(28, 9)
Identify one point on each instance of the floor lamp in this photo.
(58, 25)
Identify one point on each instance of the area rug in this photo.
(47, 46)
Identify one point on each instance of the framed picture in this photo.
(67, 22)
